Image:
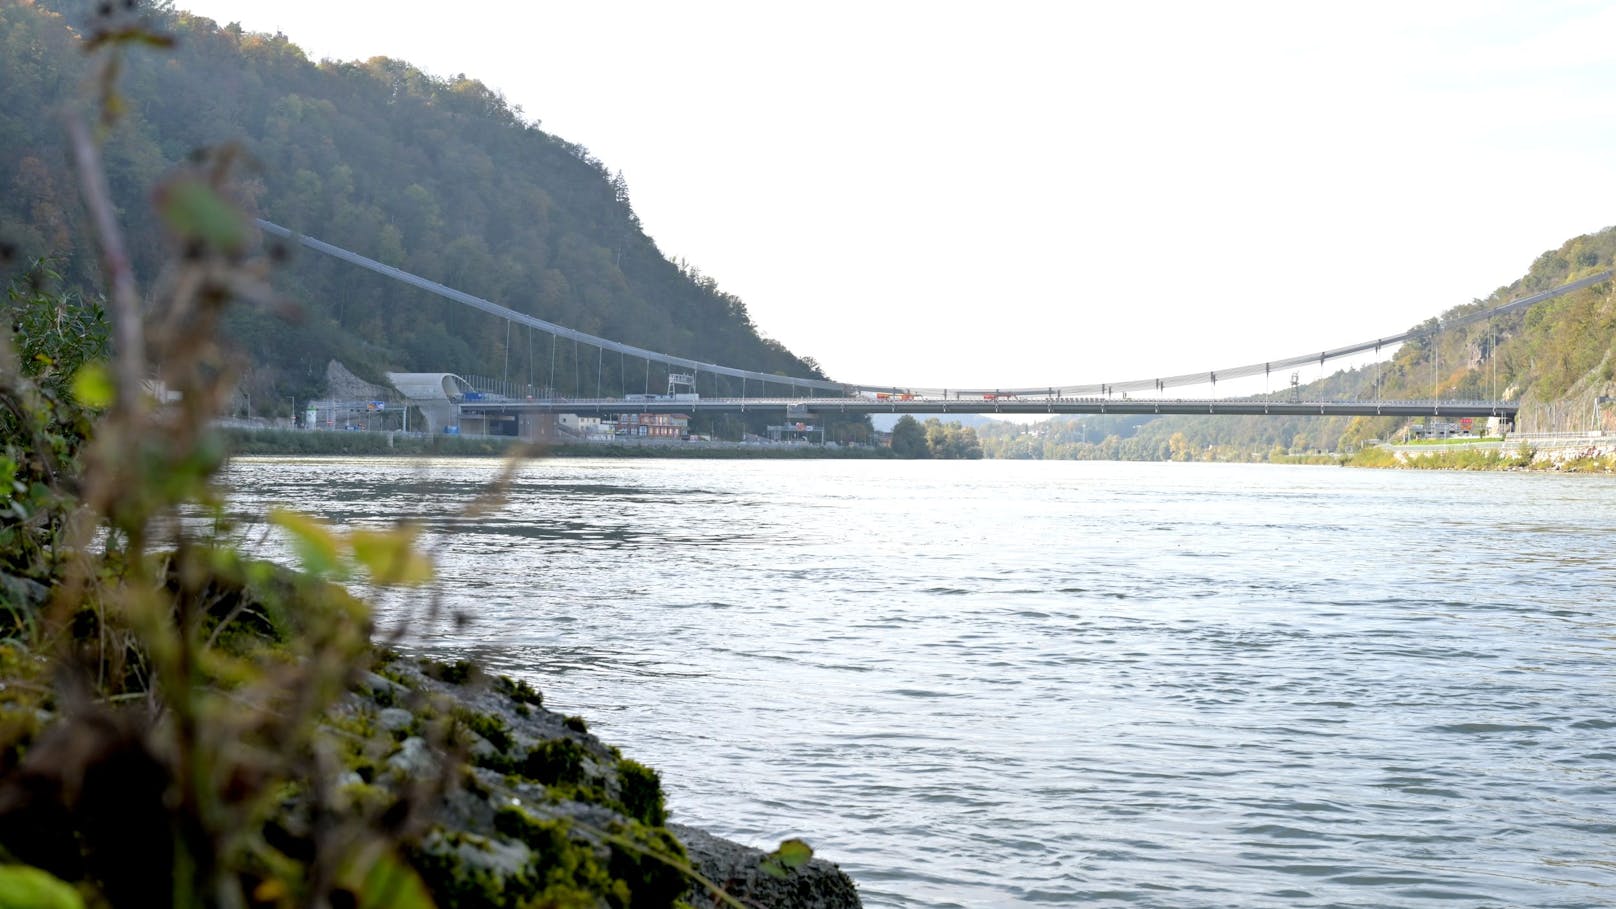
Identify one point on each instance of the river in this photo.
(1001, 683)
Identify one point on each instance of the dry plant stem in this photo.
(122, 292)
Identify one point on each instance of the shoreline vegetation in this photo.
(1520, 456)
(182, 724)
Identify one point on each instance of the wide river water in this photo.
(1001, 683)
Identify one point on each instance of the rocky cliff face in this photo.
(342, 385)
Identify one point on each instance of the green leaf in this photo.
(791, 855)
(92, 385)
(794, 853)
(25, 887)
(391, 556)
(194, 211)
(390, 884)
(316, 544)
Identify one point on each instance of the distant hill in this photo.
(1557, 358)
(441, 177)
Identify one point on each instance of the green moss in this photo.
(650, 861)
(457, 673)
(358, 723)
(499, 763)
(638, 866)
(491, 728)
(385, 696)
(555, 761)
(393, 675)
(589, 792)
(565, 871)
(576, 724)
(640, 793)
(519, 691)
(368, 799)
(473, 785)
(458, 884)
(359, 742)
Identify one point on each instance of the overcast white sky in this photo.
(1018, 193)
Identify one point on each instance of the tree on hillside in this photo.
(1179, 446)
(437, 176)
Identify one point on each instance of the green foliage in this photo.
(461, 884)
(934, 439)
(628, 865)
(641, 793)
(22, 887)
(1540, 356)
(57, 332)
(555, 761)
(43, 428)
(1374, 456)
(519, 691)
(791, 855)
(1509, 457)
(909, 439)
(457, 673)
(188, 689)
(491, 728)
(651, 864)
(951, 441)
(385, 883)
(196, 213)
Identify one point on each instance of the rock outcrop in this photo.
(544, 812)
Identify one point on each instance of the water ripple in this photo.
(1000, 684)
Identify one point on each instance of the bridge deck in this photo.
(943, 406)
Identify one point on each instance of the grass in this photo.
(1517, 458)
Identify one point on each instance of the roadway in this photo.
(800, 407)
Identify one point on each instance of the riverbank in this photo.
(545, 812)
(1565, 453)
(303, 442)
(453, 787)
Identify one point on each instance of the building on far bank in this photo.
(1441, 429)
(653, 425)
(796, 432)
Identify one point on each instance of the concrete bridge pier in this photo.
(538, 428)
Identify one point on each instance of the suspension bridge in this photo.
(797, 397)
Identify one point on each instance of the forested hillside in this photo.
(440, 177)
(1557, 358)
